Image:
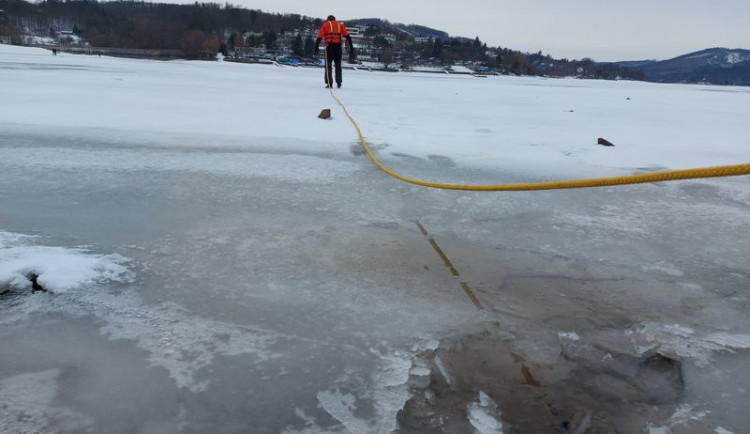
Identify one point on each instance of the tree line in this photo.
(193, 28)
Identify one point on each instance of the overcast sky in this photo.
(604, 30)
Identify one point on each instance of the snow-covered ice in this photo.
(58, 269)
(218, 259)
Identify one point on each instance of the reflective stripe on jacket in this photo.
(333, 32)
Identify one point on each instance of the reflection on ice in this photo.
(28, 404)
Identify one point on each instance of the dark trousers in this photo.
(333, 54)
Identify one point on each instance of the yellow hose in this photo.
(670, 175)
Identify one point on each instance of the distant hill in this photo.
(636, 63)
(424, 32)
(412, 29)
(713, 65)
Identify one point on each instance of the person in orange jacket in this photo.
(333, 33)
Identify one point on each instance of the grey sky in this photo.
(601, 29)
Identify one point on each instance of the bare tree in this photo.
(386, 57)
(192, 43)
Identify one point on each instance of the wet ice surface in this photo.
(289, 289)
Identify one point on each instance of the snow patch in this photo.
(420, 371)
(572, 336)
(59, 269)
(342, 406)
(425, 345)
(10, 239)
(484, 415)
(177, 340)
(681, 342)
(686, 413)
(729, 340)
(387, 394)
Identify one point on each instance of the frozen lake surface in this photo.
(218, 259)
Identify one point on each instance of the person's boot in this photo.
(338, 85)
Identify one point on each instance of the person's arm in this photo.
(352, 54)
(321, 35)
(345, 33)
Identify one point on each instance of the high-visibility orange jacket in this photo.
(333, 32)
